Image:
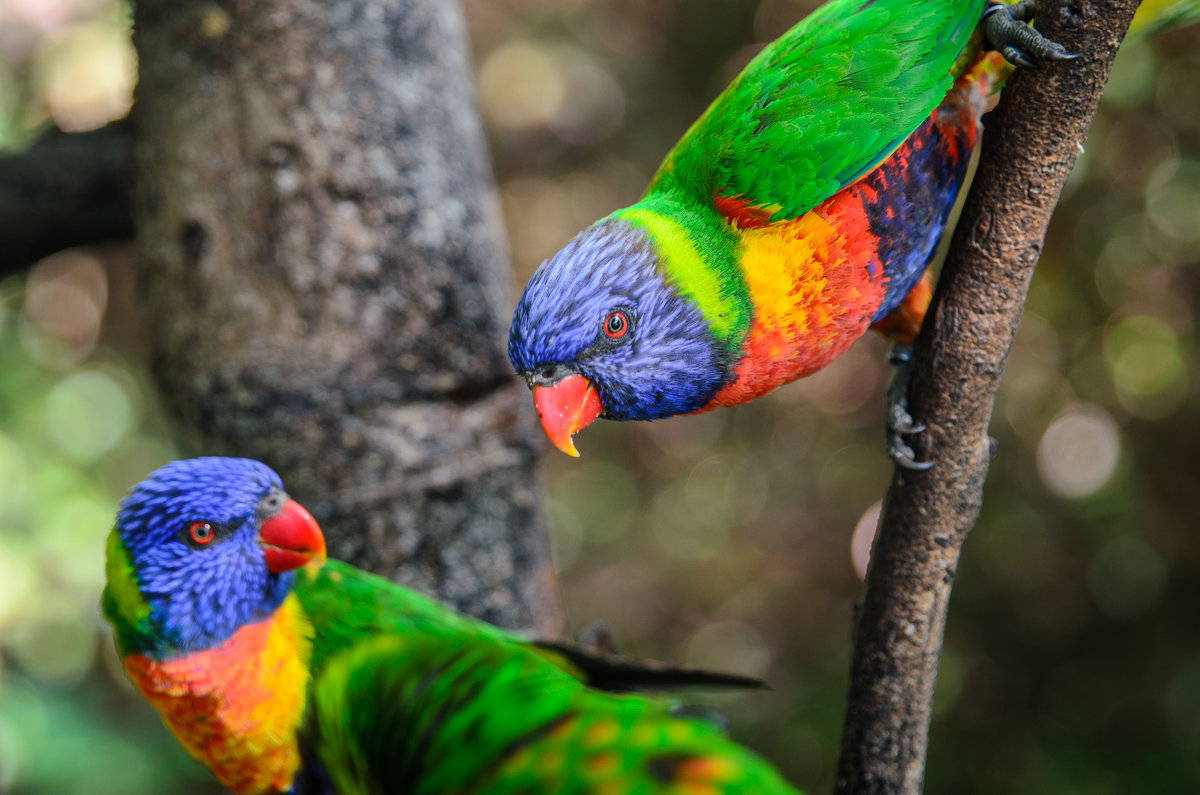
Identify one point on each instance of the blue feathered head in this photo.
(600, 308)
(200, 548)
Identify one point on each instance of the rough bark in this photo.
(325, 280)
(68, 189)
(1033, 139)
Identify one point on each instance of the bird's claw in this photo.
(905, 458)
(1007, 29)
(904, 423)
(900, 422)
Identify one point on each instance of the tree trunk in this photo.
(325, 276)
(1032, 141)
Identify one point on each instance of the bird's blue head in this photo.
(201, 548)
(599, 331)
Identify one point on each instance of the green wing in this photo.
(822, 105)
(347, 605)
(419, 714)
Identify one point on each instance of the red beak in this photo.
(565, 407)
(291, 539)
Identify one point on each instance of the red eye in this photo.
(201, 533)
(616, 325)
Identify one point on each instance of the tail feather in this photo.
(622, 675)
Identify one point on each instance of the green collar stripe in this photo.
(122, 583)
(711, 285)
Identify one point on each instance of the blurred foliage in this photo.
(734, 539)
(78, 424)
(63, 62)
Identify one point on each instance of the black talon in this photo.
(908, 428)
(913, 465)
(1016, 57)
(899, 421)
(1007, 29)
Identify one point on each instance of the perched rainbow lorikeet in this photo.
(284, 672)
(800, 210)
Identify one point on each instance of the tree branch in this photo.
(325, 278)
(1033, 139)
(68, 189)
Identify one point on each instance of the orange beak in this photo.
(291, 539)
(565, 407)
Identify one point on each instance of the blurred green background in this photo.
(734, 539)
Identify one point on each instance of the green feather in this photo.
(416, 714)
(786, 136)
(122, 602)
(697, 254)
(347, 605)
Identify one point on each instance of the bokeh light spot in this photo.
(56, 649)
(1079, 451)
(87, 79)
(65, 299)
(13, 492)
(520, 85)
(71, 542)
(87, 413)
(1146, 363)
(16, 582)
(864, 537)
(1173, 199)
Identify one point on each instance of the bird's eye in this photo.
(201, 533)
(616, 325)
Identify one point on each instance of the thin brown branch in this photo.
(1033, 139)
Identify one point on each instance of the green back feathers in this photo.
(347, 605)
(413, 714)
(423, 716)
(822, 105)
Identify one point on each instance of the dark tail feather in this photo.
(623, 675)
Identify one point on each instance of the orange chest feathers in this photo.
(815, 282)
(236, 708)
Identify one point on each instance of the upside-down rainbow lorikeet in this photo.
(282, 672)
(800, 210)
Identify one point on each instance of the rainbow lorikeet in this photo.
(284, 672)
(800, 210)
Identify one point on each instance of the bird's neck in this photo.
(237, 707)
(177, 620)
(697, 255)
